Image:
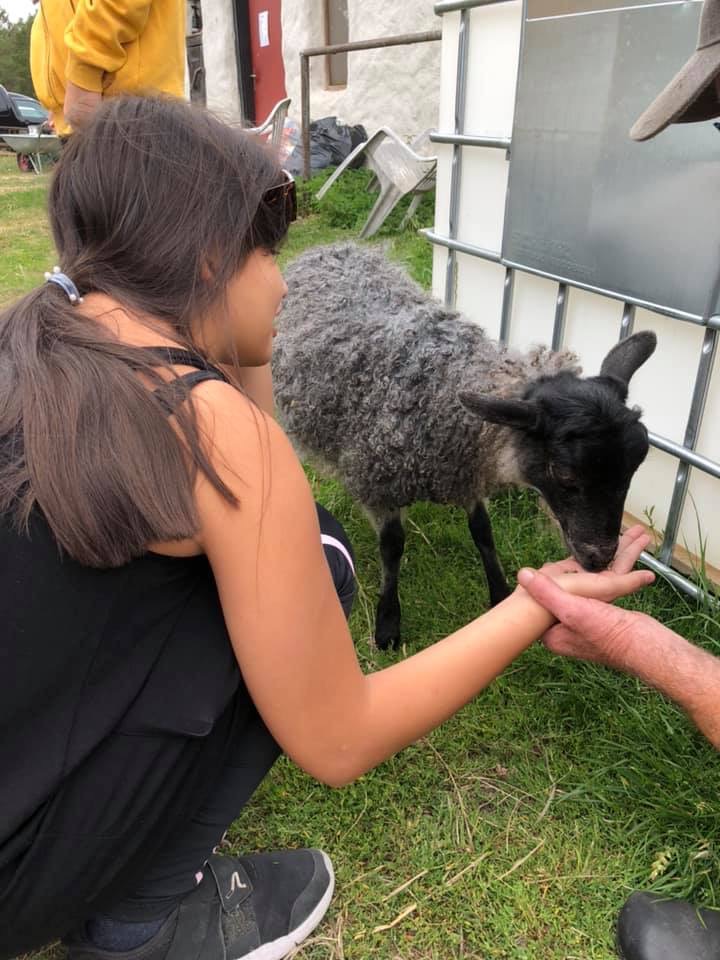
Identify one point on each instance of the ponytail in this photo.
(83, 439)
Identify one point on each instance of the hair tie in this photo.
(63, 280)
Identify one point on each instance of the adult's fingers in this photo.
(557, 601)
(632, 543)
(560, 640)
(607, 586)
(568, 600)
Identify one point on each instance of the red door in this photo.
(266, 55)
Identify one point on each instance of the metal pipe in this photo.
(712, 323)
(460, 246)
(399, 40)
(402, 39)
(687, 456)
(628, 321)
(677, 579)
(561, 305)
(456, 170)
(305, 108)
(612, 294)
(448, 6)
(506, 312)
(697, 408)
(499, 143)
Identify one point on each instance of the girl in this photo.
(171, 621)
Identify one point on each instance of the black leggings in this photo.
(178, 867)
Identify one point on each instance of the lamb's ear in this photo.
(626, 356)
(520, 414)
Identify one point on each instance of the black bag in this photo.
(330, 143)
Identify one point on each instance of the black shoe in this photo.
(650, 928)
(246, 908)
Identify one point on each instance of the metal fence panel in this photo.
(585, 201)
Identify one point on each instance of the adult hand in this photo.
(80, 105)
(588, 629)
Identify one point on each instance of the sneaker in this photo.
(257, 907)
(653, 928)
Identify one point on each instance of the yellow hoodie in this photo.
(108, 46)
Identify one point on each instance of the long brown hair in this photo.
(140, 201)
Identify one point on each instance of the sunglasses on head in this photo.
(284, 194)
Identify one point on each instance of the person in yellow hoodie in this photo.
(84, 50)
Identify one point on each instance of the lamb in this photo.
(403, 400)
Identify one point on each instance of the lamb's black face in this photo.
(581, 458)
(578, 444)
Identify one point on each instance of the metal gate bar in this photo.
(561, 305)
(463, 140)
(627, 323)
(461, 247)
(687, 456)
(398, 40)
(697, 408)
(507, 304)
(684, 452)
(456, 169)
(475, 251)
(448, 6)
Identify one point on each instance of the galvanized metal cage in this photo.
(561, 227)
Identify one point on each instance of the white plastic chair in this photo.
(274, 123)
(398, 170)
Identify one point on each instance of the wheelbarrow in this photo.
(31, 147)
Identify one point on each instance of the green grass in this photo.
(529, 817)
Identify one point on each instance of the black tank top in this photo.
(120, 692)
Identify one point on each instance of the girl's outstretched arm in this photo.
(287, 627)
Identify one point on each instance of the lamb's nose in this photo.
(595, 558)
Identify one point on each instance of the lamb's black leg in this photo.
(392, 544)
(481, 530)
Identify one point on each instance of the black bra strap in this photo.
(172, 394)
(184, 358)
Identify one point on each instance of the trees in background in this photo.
(15, 54)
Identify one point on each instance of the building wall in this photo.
(221, 75)
(396, 87)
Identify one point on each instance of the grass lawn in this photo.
(517, 829)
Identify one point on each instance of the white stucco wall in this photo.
(396, 87)
(221, 74)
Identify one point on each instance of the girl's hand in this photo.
(617, 581)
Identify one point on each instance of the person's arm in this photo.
(97, 36)
(287, 627)
(633, 643)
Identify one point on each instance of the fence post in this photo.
(305, 107)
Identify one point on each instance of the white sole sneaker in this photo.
(277, 949)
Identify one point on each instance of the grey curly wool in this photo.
(403, 400)
(367, 372)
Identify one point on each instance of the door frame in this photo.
(243, 60)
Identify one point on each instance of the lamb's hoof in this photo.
(387, 623)
(387, 629)
(387, 638)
